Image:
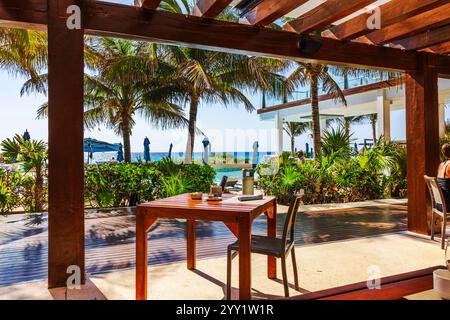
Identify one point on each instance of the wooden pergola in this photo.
(414, 38)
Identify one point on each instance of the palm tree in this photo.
(313, 75)
(23, 52)
(295, 129)
(317, 74)
(130, 79)
(34, 156)
(217, 77)
(373, 123)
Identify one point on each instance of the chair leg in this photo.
(432, 225)
(294, 265)
(443, 229)
(229, 258)
(285, 280)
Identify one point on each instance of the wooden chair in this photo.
(223, 183)
(275, 247)
(438, 207)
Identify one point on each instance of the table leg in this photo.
(143, 223)
(190, 235)
(272, 232)
(245, 267)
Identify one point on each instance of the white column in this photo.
(441, 117)
(279, 125)
(383, 116)
(323, 126)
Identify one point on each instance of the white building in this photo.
(381, 98)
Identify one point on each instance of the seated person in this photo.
(443, 175)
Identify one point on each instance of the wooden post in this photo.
(65, 137)
(422, 135)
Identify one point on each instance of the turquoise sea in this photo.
(179, 157)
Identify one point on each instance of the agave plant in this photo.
(337, 141)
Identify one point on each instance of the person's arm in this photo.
(447, 172)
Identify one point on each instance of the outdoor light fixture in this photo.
(308, 45)
(246, 6)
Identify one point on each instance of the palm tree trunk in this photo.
(191, 138)
(126, 133)
(347, 126)
(38, 187)
(315, 114)
(293, 145)
(374, 131)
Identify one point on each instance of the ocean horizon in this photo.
(102, 157)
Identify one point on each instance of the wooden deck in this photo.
(110, 238)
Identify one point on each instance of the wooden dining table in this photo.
(236, 215)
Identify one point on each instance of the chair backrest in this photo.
(289, 223)
(223, 183)
(436, 195)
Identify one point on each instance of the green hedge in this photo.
(118, 185)
(377, 173)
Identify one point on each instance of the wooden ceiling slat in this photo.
(325, 14)
(391, 12)
(147, 4)
(425, 40)
(270, 10)
(430, 19)
(443, 48)
(210, 8)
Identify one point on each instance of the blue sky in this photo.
(229, 129)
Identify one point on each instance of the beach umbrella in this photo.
(235, 156)
(206, 150)
(120, 154)
(26, 135)
(170, 151)
(255, 154)
(307, 150)
(146, 149)
(91, 146)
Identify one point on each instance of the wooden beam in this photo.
(210, 8)
(270, 10)
(390, 13)
(23, 14)
(425, 40)
(443, 48)
(128, 22)
(422, 137)
(110, 19)
(148, 4)
(433, 18)
(65, 128)
(325, 14)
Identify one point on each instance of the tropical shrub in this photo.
(172, 178)
(9, 191)
(335, 178)
(117, 185)
(32, 154)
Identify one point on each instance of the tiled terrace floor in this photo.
(110, 238)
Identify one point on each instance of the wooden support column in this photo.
(422, 135)
(65, 137)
